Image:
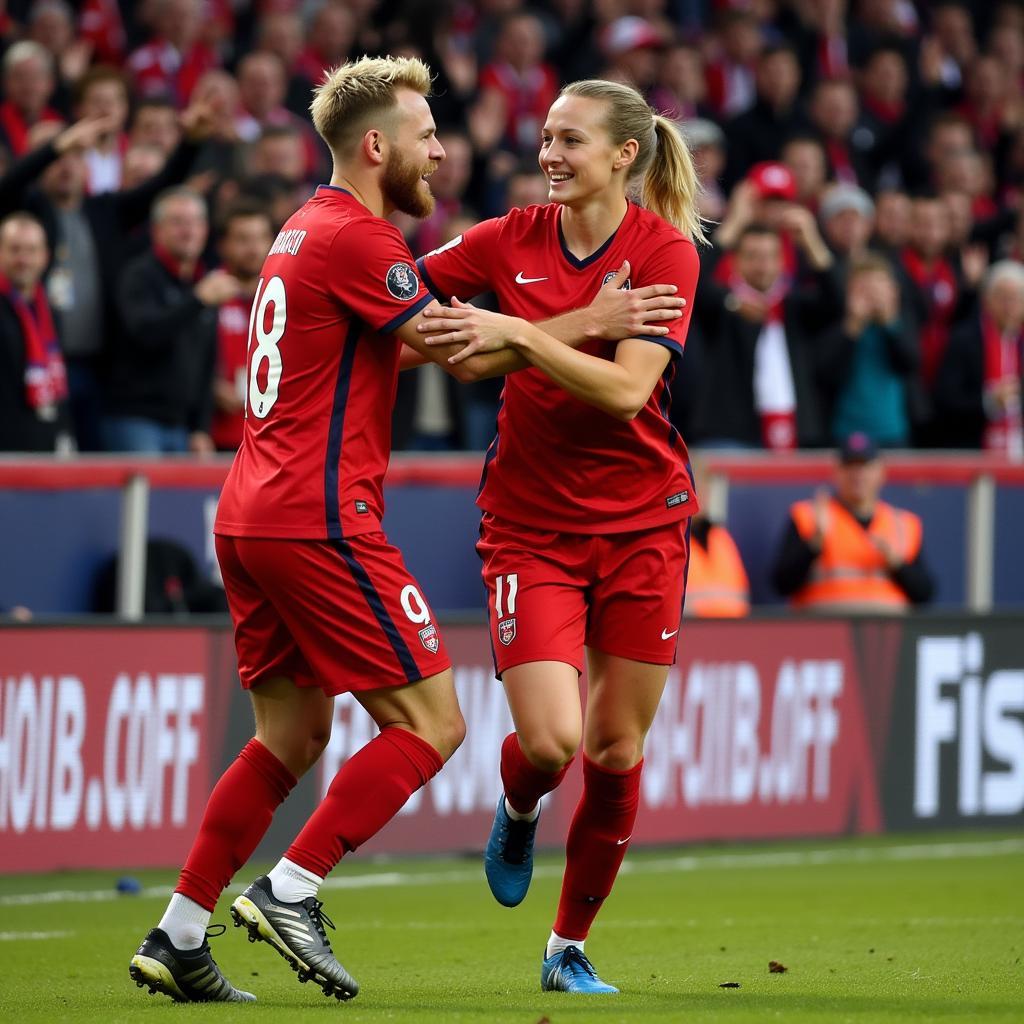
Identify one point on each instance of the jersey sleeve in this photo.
(460, 267)
(675, 263)
(373, 274)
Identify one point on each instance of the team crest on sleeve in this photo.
(507, 631)
(610, 275)
(402, 281)
(428, 637)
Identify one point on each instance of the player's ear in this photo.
(373, 146)
(627, 154)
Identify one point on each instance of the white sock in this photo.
(185, 922)
(516, 816)
(556, 944)
(291, 883)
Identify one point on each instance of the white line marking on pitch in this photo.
(32, 936)
(724, 861)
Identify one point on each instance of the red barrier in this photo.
(463, 470)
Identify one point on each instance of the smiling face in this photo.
(577, 156)
(413, 155)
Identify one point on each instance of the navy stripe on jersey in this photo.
(595, 255)
(421, 266)
(336, 430)
(665, 405)
(665, 341)
(686, 567)
(335, 188)
(393, 325)
(384, 620)
(492, 448)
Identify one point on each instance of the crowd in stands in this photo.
(862, 165)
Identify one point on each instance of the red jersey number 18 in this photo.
(260, 401)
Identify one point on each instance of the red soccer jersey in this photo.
(323, 369)
(557, 463)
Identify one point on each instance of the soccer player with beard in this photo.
(321, 603)
(587, 492)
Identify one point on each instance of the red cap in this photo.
(773, 181)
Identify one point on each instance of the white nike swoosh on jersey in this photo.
(528, 280)
(666, 635)
(621, 842)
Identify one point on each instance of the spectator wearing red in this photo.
(823, 39)
(804, 155)
(934, 278)
(633, 48)
(155, 123)
(730, 74)
(759, 133)
(758, 341)
(517, 86)
(680, 90)
(28, 82)
(33, 384)
(834, 111)
(280, 33)
(978, 391)
(991, 101)
(330, 39)
(174, 60)
(246, 236)
(100, 26)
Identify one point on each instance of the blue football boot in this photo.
(569, 970)
(508, 859)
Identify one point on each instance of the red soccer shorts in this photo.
(549, 594)
(342, 615)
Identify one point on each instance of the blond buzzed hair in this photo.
(356, 91)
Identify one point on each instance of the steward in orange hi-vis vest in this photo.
(717, 584)
(851, 572)
(848, 551)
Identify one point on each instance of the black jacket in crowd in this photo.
(164, 351)
(21, 430)
(959, 393)
(724, 409)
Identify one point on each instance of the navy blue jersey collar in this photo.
(582, 264)
(334, 188)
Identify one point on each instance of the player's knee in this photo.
(552, 751)
(450, 734)
(617, 753)
(316, 744)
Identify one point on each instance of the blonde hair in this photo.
(669, 187)
(353, 92)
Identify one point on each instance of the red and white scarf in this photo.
(774, 391)
(1004, 432)
(46, 381)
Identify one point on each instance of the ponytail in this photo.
(663, 165)
(670, 187)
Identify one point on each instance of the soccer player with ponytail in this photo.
(587, 491)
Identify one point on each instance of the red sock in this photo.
(368, 791)
(524, 782)
(596, 844)
(236, 818)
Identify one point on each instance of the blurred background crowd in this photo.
(862, 166)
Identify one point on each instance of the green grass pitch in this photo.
(891, 929)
